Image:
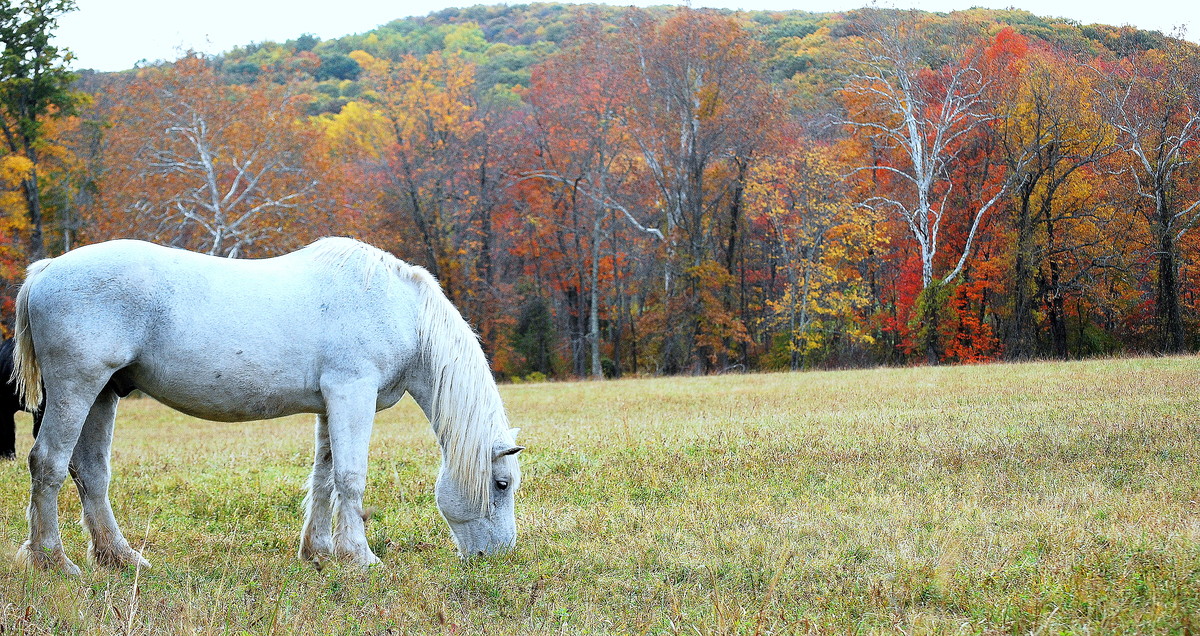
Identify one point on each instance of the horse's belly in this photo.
(253, 408)
(259, 409)
(232, 400)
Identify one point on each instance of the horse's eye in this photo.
(502, 485)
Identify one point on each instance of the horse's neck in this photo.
(422, 383)
(419, 384)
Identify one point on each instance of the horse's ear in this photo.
(505, 452)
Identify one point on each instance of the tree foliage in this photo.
(195, 163)
(35, 86)
(609, 190)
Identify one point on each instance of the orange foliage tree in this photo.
(697, 106)
(584, 155)
(1054, 143)
(803, 203)
(431, 138)
(678, 190)
(196, 163)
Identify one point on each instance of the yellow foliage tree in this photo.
(802, 202)
(414, 130)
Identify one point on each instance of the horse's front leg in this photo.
(48, 462)
(350, 409)
(316, 540)
(107, 546)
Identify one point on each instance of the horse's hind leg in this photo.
(316, 540)
(90, 467)
(48, 462)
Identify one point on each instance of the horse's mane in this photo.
(468, 415)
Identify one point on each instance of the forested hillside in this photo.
(606, 191)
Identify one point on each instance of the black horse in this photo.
(10, 403)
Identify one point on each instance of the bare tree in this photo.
(919, 119)
(921, 126)
(199, 164)
(224, 200)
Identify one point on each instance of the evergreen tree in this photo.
(34, 84)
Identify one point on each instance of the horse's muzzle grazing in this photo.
(481, 553)
(483, 537)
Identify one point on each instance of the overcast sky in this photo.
(111, 35)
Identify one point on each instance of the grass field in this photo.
(1044, 498)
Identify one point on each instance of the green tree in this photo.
(34, 85)
(337, 66)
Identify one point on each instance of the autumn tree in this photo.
(804, 204)
(584, 152)
(1153, 100)
(430, 136)
(13, 171)
(195, 163)
(917, 121)
(1053, 139)
(697, 107)
(625, 189)
(35, 85)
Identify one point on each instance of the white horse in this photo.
(340, 329)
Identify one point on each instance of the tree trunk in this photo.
(1167, 305)
(620, 306)
(594, 304)
(33, 199)
(1021, 340)
(485, 223)
(1057, 311)
(930, 314)
(577, 321)
(793, 341)
(731, 245)
(633, 340)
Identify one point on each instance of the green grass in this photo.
(1048, 497)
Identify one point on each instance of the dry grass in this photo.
(1034, 498)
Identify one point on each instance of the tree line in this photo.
(662, 191)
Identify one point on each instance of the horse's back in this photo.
(186, 327)
(125, 294)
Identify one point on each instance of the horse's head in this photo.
(482, 531)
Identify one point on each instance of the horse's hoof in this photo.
(359, 560)
(371, 563)
(317, 559)
(313, 552)
(137, 560)
(374, 563)
(46, 560)
(117, 558)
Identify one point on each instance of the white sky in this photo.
(111, 35)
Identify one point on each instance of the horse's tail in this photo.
(27, 373)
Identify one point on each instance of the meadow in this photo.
(1016, 498)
